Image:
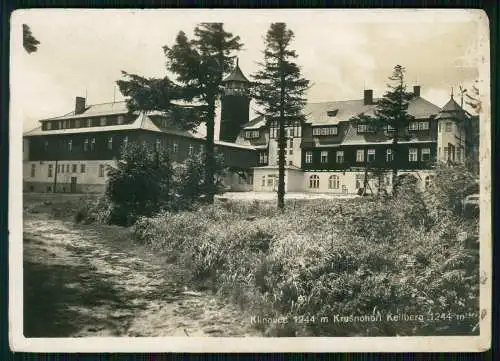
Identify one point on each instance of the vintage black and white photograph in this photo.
(279, 179)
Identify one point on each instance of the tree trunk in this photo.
(55, 178)
(394, 161)
(281, 141)
(209, 153)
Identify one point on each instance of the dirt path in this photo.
(93, 281)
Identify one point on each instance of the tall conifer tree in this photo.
(391, 112)
(279, 89)
(198, 67)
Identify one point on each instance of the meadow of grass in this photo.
(321, 263)
(405, 264)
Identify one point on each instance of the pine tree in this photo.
(198, 67)
(279, 89)
(391, 113)
(30, 43)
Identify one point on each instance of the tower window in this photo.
(50, 169)
(33, 170)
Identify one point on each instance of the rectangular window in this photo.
(318, 131)
(58, 168)
(101, 170)
(270, 180)
(175, 147)
(365, 128)
(360, 155)
(389, 155)
(67, 168)
(92, 145)
(446, 153)
(103, 121)
(49, 125)
(124, 142)
(449, 127)
(459, 155)
(263, 157)
(423, 126)
(33, 170)
(339, 156)
(120, 119)
(202, 148)
(50, 170)
(82, 168)
(426, 154)
(413, 126)
(389, 129)
(309, 157)
(73, 168)
(110, 143)
(70, 145)
(412, 154)
(46, 145)
(190, 150)
(371, 155)
(89, 122)
(62, 168)
(77, 123)
(324, 156)
(252, 134)
(263, 181)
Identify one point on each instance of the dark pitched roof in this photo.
(94, 110)
(237, 75)
(332, 113)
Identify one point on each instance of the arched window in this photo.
(314, 181)
(427, 181)
(333, 182)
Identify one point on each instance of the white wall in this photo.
(91, 175)
(456, 137)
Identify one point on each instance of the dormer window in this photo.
(48, 125)
(365, 128)
(120, 119)
(103, 121)
(389, 129)
(322, 131)
(332, 113)
(89, 122)
(77, 123)
(252, 134)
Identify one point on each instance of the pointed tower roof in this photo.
(237, 75)
(451, 106)
(451, 109)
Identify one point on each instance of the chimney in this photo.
(368, 97)
(79, 105)
(416, 90)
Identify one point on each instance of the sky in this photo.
(342, 52)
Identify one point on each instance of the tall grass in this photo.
(321, 260)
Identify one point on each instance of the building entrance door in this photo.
(73, 185)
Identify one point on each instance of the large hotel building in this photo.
(327, 153)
